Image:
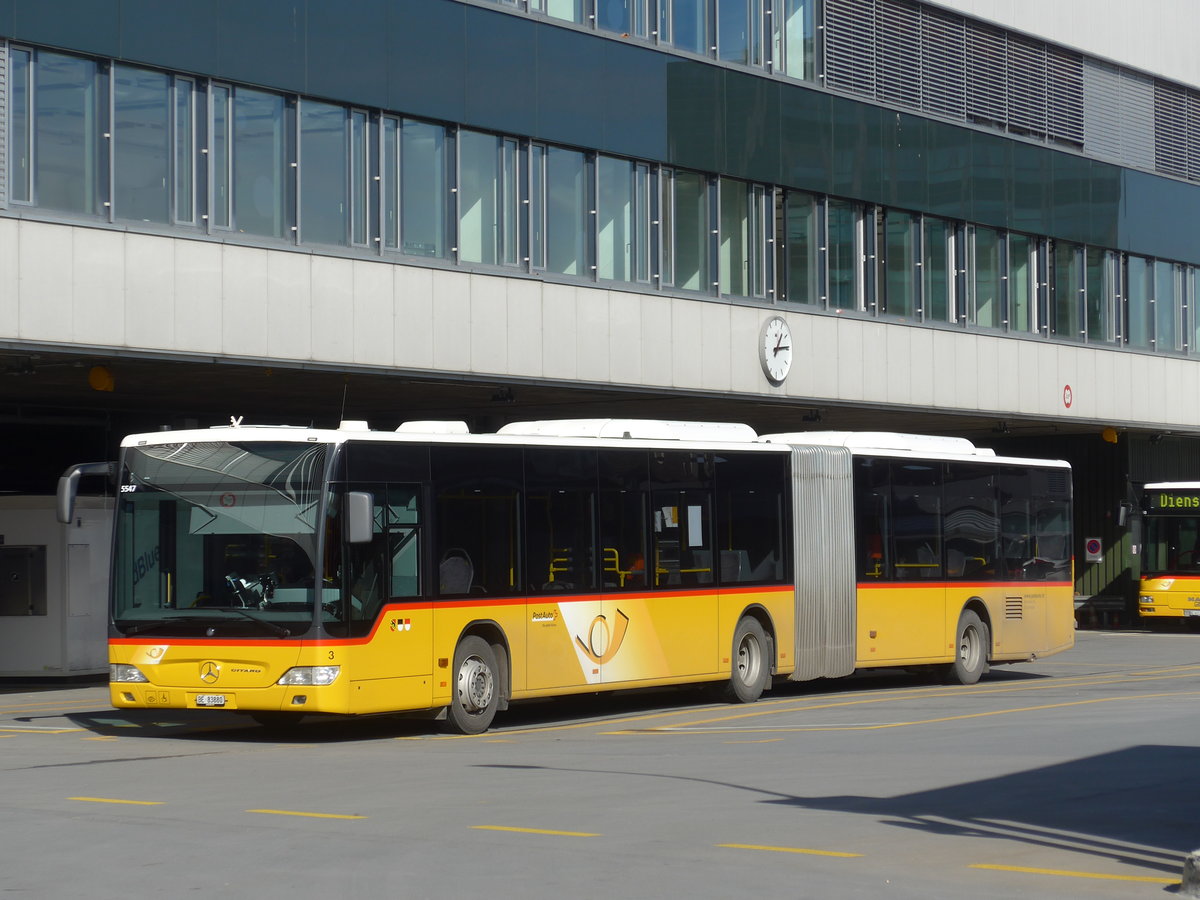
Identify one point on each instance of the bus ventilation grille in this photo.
(1014, 608)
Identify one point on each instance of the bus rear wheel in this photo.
(749, 669)
(971, 649)
(476, 687)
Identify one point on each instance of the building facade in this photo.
(975, 217)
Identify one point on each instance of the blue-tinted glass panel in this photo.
(802, 243)
(537, 202)
(359, 174)
(1139, 289)
(616, 206)
(570, 10)
(324, 205)
(795, 38)
(20, 147)
(899, 278)
(1066, 287)
(68, 115)
(986, 274)
(1166, 307)
(487, 199)
(937, 277)
(1100, 293)
(423, 190)
(842, 255)
(390, 177)
(260, 166)
(626, 17)
(690, 231)
(689, 25)
(566, 212)
(222, 157)
(733, 31)
(1021, 283)
(733, 260)
(185, 151)
(141, 145)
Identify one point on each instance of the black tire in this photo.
(749, 666)
(476, 687)
(972, 643)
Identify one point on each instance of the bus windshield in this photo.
(218, 539)
(1172, 545)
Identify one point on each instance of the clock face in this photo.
(775, 349)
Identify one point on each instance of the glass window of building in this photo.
(1101, 295)
(623, 227)
(739, 31)
(1167, 305)
(487, 198)
(569, 10)
(65, 145)
(742, 241)
(324, 204)
(423, 189)
(360, 167)
(937, 271)
(1066, 291)
(985, 277)
(626, 17)
(843, 255)
(141, 144)
(261, 174)
(566, 212)
(800, 230)
(897, 275)
(687, 28)
(20, 125)
(795, 38)
(1021, 288)
(1192, 284)
(222, 156)
(688, 236)
(187, 141)
(1139, 289)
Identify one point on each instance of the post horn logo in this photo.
(601, 646)
(210, 672)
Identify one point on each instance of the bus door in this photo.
(902, 576)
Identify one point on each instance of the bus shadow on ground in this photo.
(1128, 806)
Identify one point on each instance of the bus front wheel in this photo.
(970, 649)
(749, 669)
(476, 688)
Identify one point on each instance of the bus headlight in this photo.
(1145, 599)
(125, 673)
(310, 675)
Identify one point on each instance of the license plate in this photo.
(210, 699)
(1191, 612)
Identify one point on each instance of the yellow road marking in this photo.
(309, 815)
(114, 800)
(803, 850)
(534, 830)
(1065, 873)
(762, 741)
(33, 729)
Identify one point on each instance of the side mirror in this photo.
(68, 486)
(360, 517)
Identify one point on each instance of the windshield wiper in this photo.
(270, 626)
(159, 623)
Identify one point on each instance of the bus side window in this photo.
(871, 493)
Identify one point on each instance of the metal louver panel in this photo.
(1102, 121)
(1193, 135)
(943, 64)
(850, 45)
(1137, 119)
(1170, 142)
(1026, 67)
(899, 63)
(987, 80)
(826, 592)
(3, 124)
(1064, 96)
(1014, 607)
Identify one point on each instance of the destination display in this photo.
(1172, 502)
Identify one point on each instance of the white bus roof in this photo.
(1174, 486)
(610, 432)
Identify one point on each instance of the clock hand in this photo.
(779, 348)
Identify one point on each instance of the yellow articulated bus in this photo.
(284, 572)
(1170, 582)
